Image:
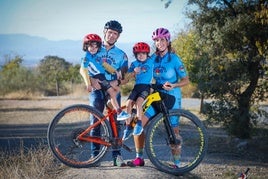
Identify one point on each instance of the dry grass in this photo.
(19, 95)
(36, 163)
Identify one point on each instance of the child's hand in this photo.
(137, 70)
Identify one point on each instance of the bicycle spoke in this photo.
(189, 153)
(63, 135)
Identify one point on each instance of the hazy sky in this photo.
(72, 19)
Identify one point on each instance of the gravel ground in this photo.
(226, 157)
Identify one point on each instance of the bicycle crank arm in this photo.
(126, 147)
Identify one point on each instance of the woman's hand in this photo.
(168, 86)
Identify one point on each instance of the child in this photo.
(142, 68)
(94, 68)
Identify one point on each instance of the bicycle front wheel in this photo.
(191, 150)
(63, 134)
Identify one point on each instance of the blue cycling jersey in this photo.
(169, 68)
(146, 70)
(93, 65)
(114, 56)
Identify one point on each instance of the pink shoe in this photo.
(136, 162)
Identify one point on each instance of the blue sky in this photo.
(72, 19)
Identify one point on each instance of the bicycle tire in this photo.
(193, 148)
(65, 127)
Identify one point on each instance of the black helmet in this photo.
(114, 25)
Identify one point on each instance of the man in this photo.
(119, 61)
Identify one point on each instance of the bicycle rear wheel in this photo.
(64, 129)
(193, 148)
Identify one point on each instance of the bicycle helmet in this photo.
(161, 33)
(141, 47)
(91, 38)
(114, 25)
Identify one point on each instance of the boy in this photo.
(92, 45)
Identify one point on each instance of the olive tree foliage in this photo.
(233, 51)
(53, 72)
(196, 61)
(14, 77)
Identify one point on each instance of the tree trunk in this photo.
(243, 128)
(57, 88)
(201, 104)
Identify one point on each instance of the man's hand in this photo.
(89, 88)
(95, 83)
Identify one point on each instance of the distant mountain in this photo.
(33, 48)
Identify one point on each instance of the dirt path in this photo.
(226, 157)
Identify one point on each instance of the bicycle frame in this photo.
(153, 97)
(110, 115)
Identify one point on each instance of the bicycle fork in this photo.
(172, 139)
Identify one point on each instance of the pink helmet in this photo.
(161, 33)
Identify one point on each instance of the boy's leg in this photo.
(139, 145)
(112, 93)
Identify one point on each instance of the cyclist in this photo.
(117, 58)
(142, 70)
(170, 75)
(92, 44)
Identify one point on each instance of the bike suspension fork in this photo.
(171, 134)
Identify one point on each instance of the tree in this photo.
(54, 70)
(234, 38)
(74, 75)
(196, 61)
(14, 77)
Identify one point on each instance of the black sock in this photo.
(139, 122)
(119, 111)
(129, 127)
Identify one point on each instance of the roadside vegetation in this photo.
(225, 51)
(33, 163)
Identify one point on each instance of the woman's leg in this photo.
(176, 149)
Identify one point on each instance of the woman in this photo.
(170, 75)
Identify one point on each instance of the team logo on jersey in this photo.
(158, 70)
(181, 68)
(106, 59)
(145, 68)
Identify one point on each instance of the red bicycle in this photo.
(70, 139)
